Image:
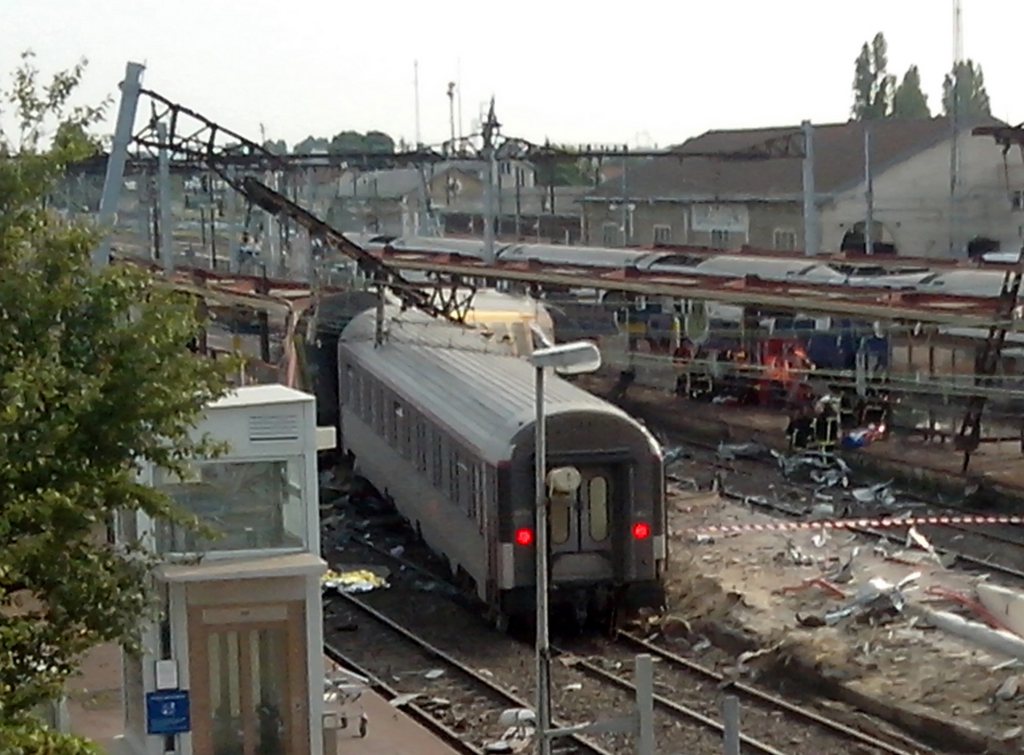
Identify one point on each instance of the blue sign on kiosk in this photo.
(167, 712)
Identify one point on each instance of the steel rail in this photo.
(761, 696)
(678, 709)
(583, 743)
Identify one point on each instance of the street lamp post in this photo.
(569, 358)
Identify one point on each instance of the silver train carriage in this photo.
(440, 420)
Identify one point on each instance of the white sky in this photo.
(641, 71)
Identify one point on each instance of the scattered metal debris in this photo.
(875, 601)
(751, 450)
(880, 493)
(1009, 688)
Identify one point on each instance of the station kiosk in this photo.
(234, 663)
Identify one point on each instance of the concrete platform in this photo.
(94, 698)
(95, 711)
(390, 732)
(998, 467)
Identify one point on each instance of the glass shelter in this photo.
(234, 664)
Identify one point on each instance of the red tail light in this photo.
(641, 531)
(524, 536)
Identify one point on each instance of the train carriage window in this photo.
(437, 464)
(368, 399)
(453, 476)
(350, 397)
(473, 490)
(421, 444)
(346, 387)
(396, 432)
(560, 508)
(597, 496)
(378, 408)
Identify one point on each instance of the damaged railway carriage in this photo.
(440, 420)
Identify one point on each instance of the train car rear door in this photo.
(581, 525)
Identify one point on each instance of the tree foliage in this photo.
(276, 146)
(872, 84)
(94, 377)
(353, 142)
(311, 145)
(564, 173)
(909, 101)
(968, 95)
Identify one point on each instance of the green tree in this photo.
(909, 101)
(71, 136)
(276, 146)
(95, 376)
(969, 95)
(872, 84)
(379, 143)
(311, 145)
(347, 142)
(564, 173)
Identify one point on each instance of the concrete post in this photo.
(869, 193)
(114, 178)
(489, 208)
(644, 679)
(812, 237)
(164, 201)
(731, 724)
(231, 210)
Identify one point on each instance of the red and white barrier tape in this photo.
(849, 524)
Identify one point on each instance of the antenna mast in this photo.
(458, 92)
(416, 89)
(954, 121)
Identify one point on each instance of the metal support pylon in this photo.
(986, 365)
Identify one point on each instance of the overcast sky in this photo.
(640, 71)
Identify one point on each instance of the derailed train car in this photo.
(440, 420)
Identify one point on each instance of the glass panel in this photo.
(597, 497)
(225, 694)
(560, 508)
(268, 648)
(251, 505)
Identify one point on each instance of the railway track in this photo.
(457, 702)
(770, 701)
(688, 695)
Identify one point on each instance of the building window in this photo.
(784, 240)
(1017, 200)
(719, 239)
(662, 234)
(611, 234)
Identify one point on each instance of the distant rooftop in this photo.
(838, 163)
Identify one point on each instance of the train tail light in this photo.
(524, 536)
(641, 531)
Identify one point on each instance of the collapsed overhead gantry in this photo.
(175, 131)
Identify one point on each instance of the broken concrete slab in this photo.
(1005, 604)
